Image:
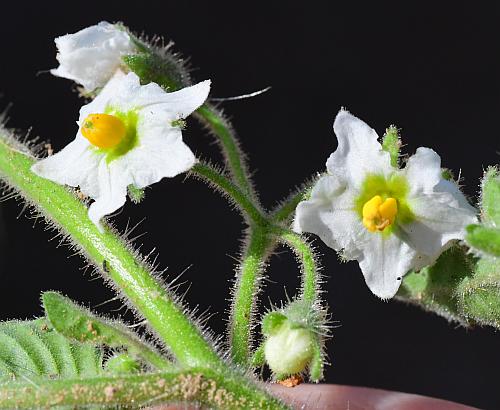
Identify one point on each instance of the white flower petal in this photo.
(164, 156)
(91, 56)
(358, 153)
(117, 89)
(423, 171)
(75, 165)
(385, 260)
(177, 104)
(439, 219)
(329, 214)
(441, 210)
(112, 187)
(124, 93)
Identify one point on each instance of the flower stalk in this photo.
(235, 159)
(310, 269)
(245, 294)
(235, 194)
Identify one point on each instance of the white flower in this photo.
(91, 56)
(129, 135)
(389, 220)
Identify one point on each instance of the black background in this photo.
(432, 69)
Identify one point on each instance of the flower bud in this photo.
(289, 349)
(91, 56)
(122, 363)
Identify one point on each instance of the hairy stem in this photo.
(245, 294)
(221, 129)
(310, 275)
(121, 267)
(232, 191)
(284, 211)
(205, 387)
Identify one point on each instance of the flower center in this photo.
(103, 130)
(379, 214)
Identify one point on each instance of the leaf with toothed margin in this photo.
(33, 350)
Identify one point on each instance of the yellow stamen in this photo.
(379, 214)
(103, 130)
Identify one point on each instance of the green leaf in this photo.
(33, 350)
(77, 323)
(490, 196)
(479, 296)
(434, 288)
(391, 143)
(484, 239)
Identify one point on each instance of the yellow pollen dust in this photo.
(103, 130)
(379, 214)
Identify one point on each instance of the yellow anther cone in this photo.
(103, 130)
(379, 214)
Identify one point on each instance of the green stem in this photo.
(198, 386)
(232, 191)
(245, 294)
(224, 132)
(128, 274)
(304, 252)
(285, 210)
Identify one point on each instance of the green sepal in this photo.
(447, 174)
(122, 363)
(391, 143)
(135, 194)
(258, 358)
(78, 323)
(271, 322)
(434, 288)
(490, 196)
(153, 67)
(484, 239)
